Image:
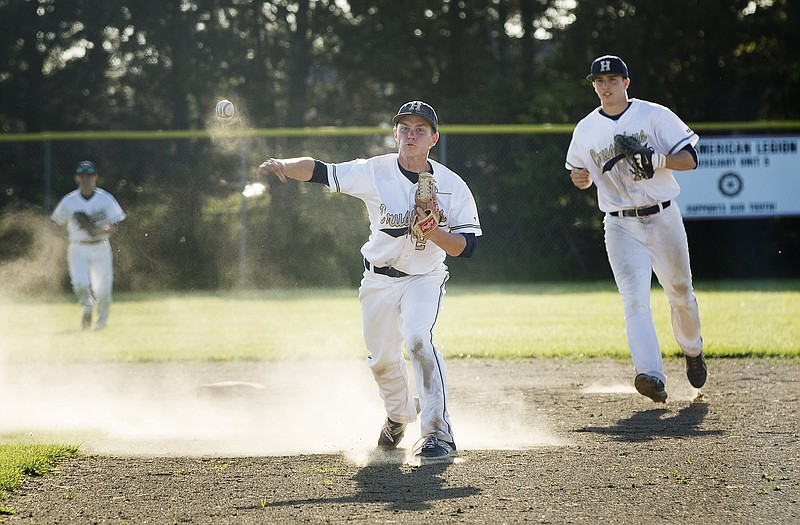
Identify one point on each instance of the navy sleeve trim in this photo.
(693, 151)
(320, 174)
(472, 244)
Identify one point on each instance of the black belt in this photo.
(642, 212)
(384, 270)
(97, 241)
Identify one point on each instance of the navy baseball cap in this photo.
(85, 166)
(417, 107)
(608, 65)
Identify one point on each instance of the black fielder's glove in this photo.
(644, 161)
(84, 222)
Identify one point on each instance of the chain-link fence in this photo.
(190, 227)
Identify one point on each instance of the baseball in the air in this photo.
(225, 109)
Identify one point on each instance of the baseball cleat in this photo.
(696, 370)
(391, 434)
(434, 449)
(651, 387)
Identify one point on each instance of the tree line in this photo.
(77, 65)
(150, 64)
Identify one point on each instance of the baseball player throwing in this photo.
(404, 272)
(91, 216)
(628, 149)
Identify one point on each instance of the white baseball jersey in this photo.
(389, 198)
(102, 208)
(89, 257)
(593, 145)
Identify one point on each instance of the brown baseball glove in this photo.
(643, 159)
(84, 222)
(426, 209)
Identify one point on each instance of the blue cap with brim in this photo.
(85, 166)
(417, 107)
(608, 65)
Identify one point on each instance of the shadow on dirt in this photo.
(387, 479)
(652, 424)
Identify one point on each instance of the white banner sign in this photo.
(742, 178)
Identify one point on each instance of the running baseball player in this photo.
(404, 272)
(628, 148)
(91, 215)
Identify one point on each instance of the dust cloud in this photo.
(618, 388)
(226, 133)
(211, 408)
(33, 258)
(229, 409)
(230, 137)
(677, 392)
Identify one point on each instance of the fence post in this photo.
(48, 176)
(243, 212)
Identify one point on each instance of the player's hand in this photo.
(276, 166)
(580, 178)
(422, 213)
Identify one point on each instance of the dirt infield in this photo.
(541, 441)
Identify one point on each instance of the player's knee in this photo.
(636, 308)
(417, 346)
(84, 295)
(384, 361)
(681, 290)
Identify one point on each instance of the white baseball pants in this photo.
(92, 276)
(636, 248)
(403, 311)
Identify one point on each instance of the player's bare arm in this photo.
(300, 168)
(452, 243)
(681, 161)
(581, 178)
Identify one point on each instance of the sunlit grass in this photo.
(510, 321)
(573, 321)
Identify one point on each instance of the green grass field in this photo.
(18, 460)
(575, 321)
(510, 321)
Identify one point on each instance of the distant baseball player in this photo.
(629, 148)
(415, 221)
(91, 216)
